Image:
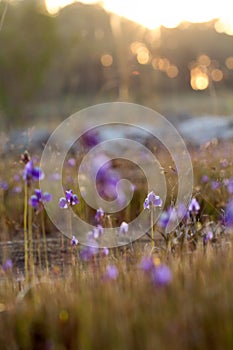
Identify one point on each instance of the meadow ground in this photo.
(177, 294)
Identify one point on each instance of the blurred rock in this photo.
(199, 130)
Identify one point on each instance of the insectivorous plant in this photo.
(152, 201)
(30, 173)
(37, 201)
(66, 202)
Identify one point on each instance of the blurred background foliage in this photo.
(52, 65)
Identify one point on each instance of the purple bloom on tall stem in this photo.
(123, 228)
(194, 206)
(105, 251)
(215, 185)
(205, 179)
(4, 185)
(146, 264)
(71, 162)
(111, 273)
(230, 186)
(99, 214)
(228, 219)
(38, 198)
(208, 237)
(8, 265)
(74, 241)
(161, 275)
(69, 200)
(32, 173)
(152, 200)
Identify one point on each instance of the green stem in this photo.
(31, 242)
(44, 242)
(25, 231)
(152, 228)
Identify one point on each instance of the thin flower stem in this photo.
(152, 227)
(44, 242)
(31, 242)
(25, 230)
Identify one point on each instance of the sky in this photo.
(168, 13)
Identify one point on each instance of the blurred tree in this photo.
(27, 41)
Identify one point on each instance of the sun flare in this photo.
(168, 13)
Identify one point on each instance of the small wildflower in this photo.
(99, 214)
(194, 206)
(208, 237)
(69, 200)
(38, 198)
(111, 272)
(230, 186)
(123, 228)
(8, 265)
(229, 214)
(32, 173)
(71, 162)
(4, 185)
(161, 275)
(152, 200)
(88, 252)
(74, 241)
(146, 264)
(105, 251)
(205, 179)
(25, 158)
(215, 185)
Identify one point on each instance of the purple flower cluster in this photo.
(69, 200)
(38, 198)
(32, 172)
(160, 274)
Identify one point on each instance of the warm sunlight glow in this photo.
(199, 80)
(106, 60)
(168, 13)
(229, 62)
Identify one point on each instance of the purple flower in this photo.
(123, 228)
(111, 273)
(55, 177)
(87, 252)
(215, 185)
(224, 163)
(38, 198)
(205, 179)
(71, 162)
(99, 214)
(97, 232)
(17, 189)
(8, 265)
(91, 138)
(228, 219)
(194, 206)
(32, 173)
(105, 251)
(69, 200)
(3, 185)
(74, 241)
(152, 200)
(146, 264)
(230, 186)
(208, 237)
(161, 275)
